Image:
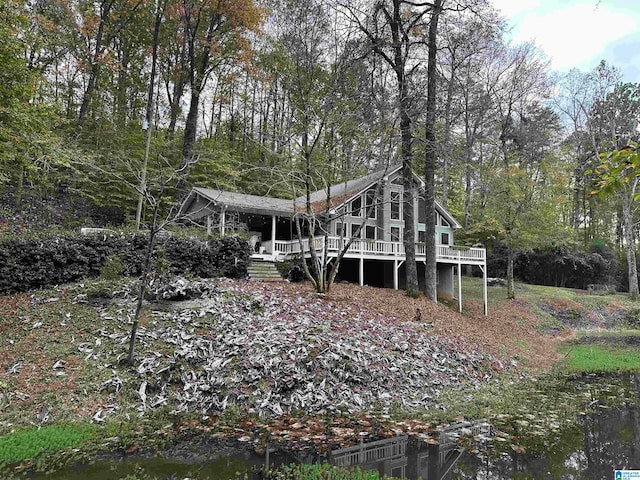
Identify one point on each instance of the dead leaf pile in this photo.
(268, 351)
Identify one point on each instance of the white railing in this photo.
(375, 248)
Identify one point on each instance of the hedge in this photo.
(558, 267)
(36, 263)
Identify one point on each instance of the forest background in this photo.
(125, 104)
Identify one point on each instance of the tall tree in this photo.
(431, 155)
(390, 27)
(216, 32)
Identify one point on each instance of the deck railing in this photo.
(377, 248)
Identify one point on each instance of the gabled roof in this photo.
(201, 201)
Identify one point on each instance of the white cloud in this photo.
(575, 35)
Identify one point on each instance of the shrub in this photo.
(34, 263)
(557, 267)
(292, 270)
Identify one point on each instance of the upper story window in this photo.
(396, 202)
(444, 238)
(370, 197)
(356, 207)
(341, 230)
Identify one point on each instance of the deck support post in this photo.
(459, 282)
(484, 288)
(361, 270)
(395, 274)
(209, 222)
(273, 233)
(222, 220)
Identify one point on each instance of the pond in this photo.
(591, 448)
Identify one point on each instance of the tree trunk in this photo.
(510, 282)
(630, 249)
(105, 9)
(189, 140)
(142, 290)
(408, 213)
(149, 112)
(431, 154)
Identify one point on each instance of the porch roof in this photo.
(242, 202)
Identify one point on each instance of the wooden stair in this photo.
(263, 271)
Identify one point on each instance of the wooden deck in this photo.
(373, 250)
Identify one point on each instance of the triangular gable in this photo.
(360, 185)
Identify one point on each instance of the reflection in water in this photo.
(399, 458)
(600, 444)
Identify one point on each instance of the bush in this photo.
(558, 267)
(292, 270)
(34, 263)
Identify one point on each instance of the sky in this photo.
(579, 33)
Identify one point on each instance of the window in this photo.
(422, 236)
(444, 238)
(442, 221)
(395, 205)
(368, 203)
(395, 234)
(354, 230)
(341, 230)
(370, 232)
(356, 207)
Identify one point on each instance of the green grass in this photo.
(600, 358)
(472, 288)
(27, 444)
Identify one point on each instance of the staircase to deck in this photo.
(263, 271)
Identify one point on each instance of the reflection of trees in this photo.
(562, 459)
(611, 441)
(605, 441)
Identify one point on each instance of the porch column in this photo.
(361, 271)
(273, 233)
(222, 220)
(395, 274)
(459, 283)
(484, 288)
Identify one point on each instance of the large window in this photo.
(341, 230)
(370, 196)
(395, 234)
(422, 236)
(356, 207)
(396, 202)
(444, 238)
(354, 230)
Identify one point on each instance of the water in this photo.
(591, 449)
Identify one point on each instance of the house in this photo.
(371, 204)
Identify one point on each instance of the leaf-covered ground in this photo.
(236, 349)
